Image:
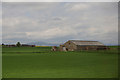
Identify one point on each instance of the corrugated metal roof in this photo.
(80, 42)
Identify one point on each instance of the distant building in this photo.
(77, 45)
(12, 45)
(22, 45)
(26, 45)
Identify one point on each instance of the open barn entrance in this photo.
(64, 48)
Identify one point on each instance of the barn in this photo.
(78, 45)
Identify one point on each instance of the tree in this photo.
(18, 44)
(3, 44)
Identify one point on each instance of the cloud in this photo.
(51, 33)
(59, 22)
(60, 0)
(57, 19)
(77, 6)
(0, 22)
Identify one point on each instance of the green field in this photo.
(40, 62)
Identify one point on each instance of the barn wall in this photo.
(102, 48)
(91, 47)
(61, 47)
(70, 46)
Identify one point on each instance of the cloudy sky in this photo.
(57, 22)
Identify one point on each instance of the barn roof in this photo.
(81, 42)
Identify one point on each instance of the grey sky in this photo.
(60, 0)
(57, 22)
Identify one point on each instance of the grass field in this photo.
(40, 62)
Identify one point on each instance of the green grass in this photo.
(40, 62)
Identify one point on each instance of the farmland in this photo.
(40, 62)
